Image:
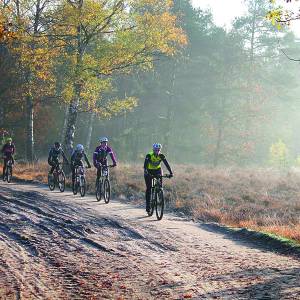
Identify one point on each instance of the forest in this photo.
(145, 71)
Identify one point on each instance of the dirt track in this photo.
(60, 246)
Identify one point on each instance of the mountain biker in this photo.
(100, 155)
(8, 150)
(76, 160)
(152, 168)
(54, 155)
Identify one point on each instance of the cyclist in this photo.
(76, 160)
(100, 156)
(54, 155)
(8, 150)
(152, 168)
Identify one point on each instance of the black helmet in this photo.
(57, 145)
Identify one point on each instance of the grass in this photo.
(260, 199)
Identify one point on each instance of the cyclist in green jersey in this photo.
(152, 168)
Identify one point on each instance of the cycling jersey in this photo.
(55, 153)
(100, 155)
(77, 158)
(8, 149)
(153, 162)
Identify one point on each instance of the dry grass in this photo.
(260, 199)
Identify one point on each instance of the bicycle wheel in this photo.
(106, 190)
(61, 181)
(152, 203)
(98, 190)
(8, 174)
(160, 204)
(82, 187)
(75, 187)
(51, 182)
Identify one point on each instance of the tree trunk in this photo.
(73, 108)
(64, 128)
(30, 136)
(90, 131)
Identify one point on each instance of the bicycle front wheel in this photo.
(61, 181)
(106, 190)
(160, 204)
(82, 187)
(75, 187)
(51, 182)
(152, 202)
(98, 189)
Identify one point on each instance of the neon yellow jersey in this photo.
(155, 161)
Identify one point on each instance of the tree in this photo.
(102, 38)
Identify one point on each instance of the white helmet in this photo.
(103, 139)
(79, 147)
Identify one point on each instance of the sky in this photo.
(225, 14)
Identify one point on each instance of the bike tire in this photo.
(61, 181)
(106, 190)
(152, 203)
(75, 187)
(99, 190)
(82, 187)
(160, 204)
(8, 174)
(51, 182)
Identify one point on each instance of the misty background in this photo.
(226, 99)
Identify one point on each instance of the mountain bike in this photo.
(7, 176)
(103, 184)
(157, 200)
(57, 178)
(80, 181)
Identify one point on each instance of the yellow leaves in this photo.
(274, 16)
(279, 154)
(115, 106)
(7, 32)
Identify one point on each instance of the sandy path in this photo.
(60, 246)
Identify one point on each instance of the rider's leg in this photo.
(4, 167)
(148, 181)
(73, 173)
(98, 173)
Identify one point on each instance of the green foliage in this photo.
(279, 155)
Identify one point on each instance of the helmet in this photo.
(57, 145)
(157, 146)
(103, 139)
(79, 147)
(9, 139)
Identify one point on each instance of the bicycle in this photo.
(80, 181)
(103, 185)
(7, 176)
(57, 177)
(157, 200)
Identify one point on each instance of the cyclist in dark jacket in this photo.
(53, 158)
(77, 159)
(152, 168)
(8, 150)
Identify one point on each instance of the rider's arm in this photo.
(95, 154)
(163, 158)
(14, 149)
(113, 157)
(64, 156)
(87, 161)
(147, 159)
